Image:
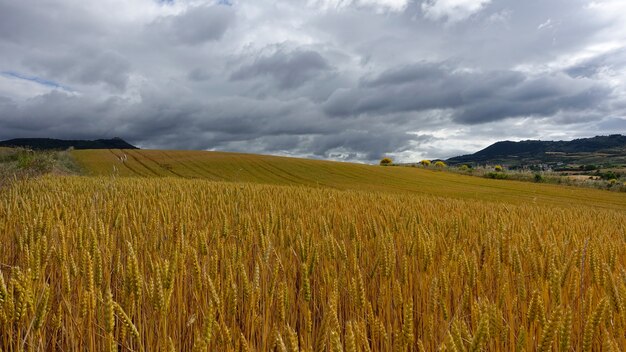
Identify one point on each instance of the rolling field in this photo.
(300, 255)
(220, 166)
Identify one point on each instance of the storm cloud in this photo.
(350, 80)
(196, 25)
(287, 69)
(474, 97)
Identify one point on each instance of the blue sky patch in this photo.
(39, 80)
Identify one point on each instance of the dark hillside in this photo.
(52, 144)
(599, 149)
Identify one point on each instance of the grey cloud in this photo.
(61, 114)
(31, 22)
(289, 69)
(60, 42)
(346, 144)
(423, 71)
(86, 66)
(521, 101)
(475, 97)
(232, 123)
(199, 74)
(5, 101)
(483, 85)
(55, 113)
(370, 143)
(613, 60)
(276, 76)
(614, 124)
(196, 25)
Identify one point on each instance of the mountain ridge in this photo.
(52, 143)
(599, 149)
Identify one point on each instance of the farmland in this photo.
(263, 169)
(181, 251)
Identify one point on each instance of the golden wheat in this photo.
(107, 264)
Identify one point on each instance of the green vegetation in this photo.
(598, 162)
(17, 163)
(599, 179)
(608, 175)
(496, 175)
(588, 167)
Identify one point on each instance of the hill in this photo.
(53, 144)
(264, 169)
(603, 150)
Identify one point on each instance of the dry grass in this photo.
(169, 264)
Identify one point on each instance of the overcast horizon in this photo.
(351, 80)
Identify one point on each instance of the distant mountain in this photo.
(596, 150)
(49, 143)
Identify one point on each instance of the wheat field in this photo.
(267, 169)
(174, 264)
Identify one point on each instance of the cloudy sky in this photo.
(341, 79)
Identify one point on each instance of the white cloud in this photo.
(503, 17)
(546, 24)
(609, 8)
(19, 89)
(452, 10)
(379, 5)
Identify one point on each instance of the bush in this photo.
(538, 178)
(609, 175)
(496, 175)
(464, 167)
(440, 164)
(386, 162)
(588, 167)
(19, 163)
(24, 158)
(498, 168)
(425, 163)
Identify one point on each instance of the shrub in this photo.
(609, 175)
(425, 163)
(24, 158)
(386, 162)
(464, 167)
(496, 175)
(498, 168)
(588, 167)
(440, 164)
(21, 163)
(538, 178)
(38, 163)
